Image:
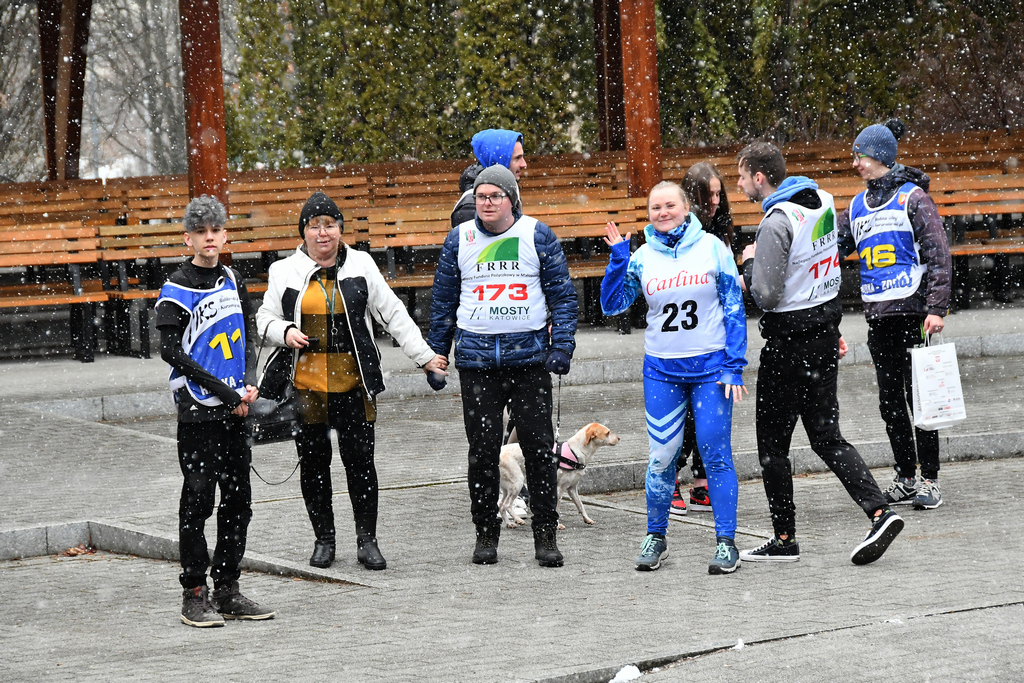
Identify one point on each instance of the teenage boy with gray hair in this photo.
(205, 322)
(905, 284)
(792, 271)
(501, 278)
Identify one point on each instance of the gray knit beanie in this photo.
(500, 176)
(877, 142)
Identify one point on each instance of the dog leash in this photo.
(263, 343)
(558, 418)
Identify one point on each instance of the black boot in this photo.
(323, 553)
(486, 551)
(368, 553)
(546, 551)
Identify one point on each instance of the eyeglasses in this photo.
(492, 199)
(858, 157)
(323, 227)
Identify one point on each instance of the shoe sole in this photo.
(200, 624)
(870, 550)
(715, 569)
(905, 501)
(485, 560)
(249, 617)
(677, 513)
(651, 567)
(374, 567)
(699, 506)
(919, 506)
(775, 558)
(551, 564)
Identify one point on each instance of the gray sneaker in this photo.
(901, 491)
(233, 605)
(727, 557)
(928, 495)
(653, 550)
(196, 609)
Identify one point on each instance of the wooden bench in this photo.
(65, 244)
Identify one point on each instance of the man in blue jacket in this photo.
(491, 146)
(501, 280)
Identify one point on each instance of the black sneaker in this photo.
(885, 527)
(773, 550)
(196, 609)
(928, 495)
(233, 605)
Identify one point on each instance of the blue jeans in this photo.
(666, 403)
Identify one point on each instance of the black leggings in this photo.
(889, 340)
(797, 379)
(347, 414)
(527, 391)
(213, 454)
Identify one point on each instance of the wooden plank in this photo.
(48, 246)
(48, 259)
(42, 234)
(54, 300)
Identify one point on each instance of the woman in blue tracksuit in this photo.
(695, 347)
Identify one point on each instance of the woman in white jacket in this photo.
(319, 303)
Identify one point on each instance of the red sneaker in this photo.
(678, 506)
(699, 499)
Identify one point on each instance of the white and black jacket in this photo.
(364, 293)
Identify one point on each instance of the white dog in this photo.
(574, 456)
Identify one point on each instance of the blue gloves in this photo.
(436, 380)
(558, 362)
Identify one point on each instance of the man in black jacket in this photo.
(905, 283)
(204, 317)
(793, 275)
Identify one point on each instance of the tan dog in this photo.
(579, 448)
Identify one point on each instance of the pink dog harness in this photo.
(567, 460)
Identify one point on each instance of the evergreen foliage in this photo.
(261, 116)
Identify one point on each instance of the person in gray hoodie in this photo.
(905, 284)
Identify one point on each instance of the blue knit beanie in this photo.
(877, 142)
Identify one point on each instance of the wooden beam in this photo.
(611, 110)
(204, 98)
(49, 38)
(70, 85)
(640, 93)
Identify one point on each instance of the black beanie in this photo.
(319, 205)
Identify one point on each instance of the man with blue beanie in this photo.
(793, 274)
(905, 284)
(494, 146)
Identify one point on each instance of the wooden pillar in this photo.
(204, 98)
(611, 112)
(63, 36)
(640, 93)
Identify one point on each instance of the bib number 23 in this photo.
(688, 309)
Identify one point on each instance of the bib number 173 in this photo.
(516, 292)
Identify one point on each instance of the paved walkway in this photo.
(952, 578)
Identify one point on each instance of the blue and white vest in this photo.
(890, 262)
(214, 338)
(501, 290)
(684, 316)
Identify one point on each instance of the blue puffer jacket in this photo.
(489, 351)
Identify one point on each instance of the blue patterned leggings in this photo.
(665, 404)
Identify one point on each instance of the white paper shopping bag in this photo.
(938, 396)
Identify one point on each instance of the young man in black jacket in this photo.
(905, 283)
(204, 317)
(793, 275)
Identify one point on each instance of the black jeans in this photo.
(346, 413)
(797, 379)
(211, 454)
(890, 340)
(527, 391)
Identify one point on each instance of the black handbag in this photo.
(277, 413)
